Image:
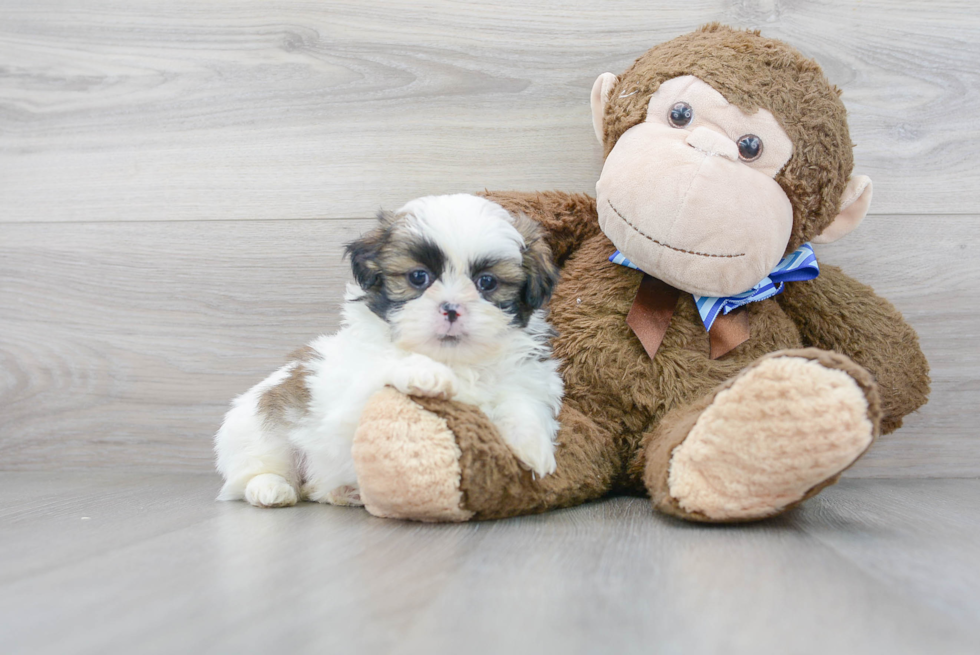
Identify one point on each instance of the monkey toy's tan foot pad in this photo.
(773, 436)
(407, 461)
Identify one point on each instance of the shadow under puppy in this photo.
(447, 304)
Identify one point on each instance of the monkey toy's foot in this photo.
(776, 434)
(407, 461)
(439, 460)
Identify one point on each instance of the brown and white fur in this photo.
(447, 303)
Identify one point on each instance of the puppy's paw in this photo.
(421, 376)
(533, 446)
(270, 490)
(346, 495)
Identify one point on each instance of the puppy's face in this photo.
(451, 274)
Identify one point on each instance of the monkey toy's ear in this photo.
(600, 96)
(853, 208)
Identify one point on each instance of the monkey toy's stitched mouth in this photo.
(667, 245)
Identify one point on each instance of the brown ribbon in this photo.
(728, 331)
(653, 307)
(650, 314)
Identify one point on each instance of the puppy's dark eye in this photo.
(419, 278)
(486, 282)
(681, 114)
(749, 147)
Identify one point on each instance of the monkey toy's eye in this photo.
(419, 278)
(681, 114)
(486, 282)
(749, 147)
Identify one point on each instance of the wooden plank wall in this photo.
(176, 179)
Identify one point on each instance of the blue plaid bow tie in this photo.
(799, 265)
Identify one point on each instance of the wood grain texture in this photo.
(179, 109)
(870, 566)
(121, 344)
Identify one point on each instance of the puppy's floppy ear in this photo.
(364, 252)
(540, 271)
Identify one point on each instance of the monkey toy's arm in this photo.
(567, 218)
(835, 312)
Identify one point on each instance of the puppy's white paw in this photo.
(421, 376)
(270, 490)
(347, 495)
(533, 446)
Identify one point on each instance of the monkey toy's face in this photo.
(688, 195)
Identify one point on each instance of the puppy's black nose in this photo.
(450, 311)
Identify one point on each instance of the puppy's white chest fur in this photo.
(447, 305)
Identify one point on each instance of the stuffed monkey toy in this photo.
(706, 362)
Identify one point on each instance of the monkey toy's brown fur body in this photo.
(624, 413)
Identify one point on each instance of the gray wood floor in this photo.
(176, 180)
(127, 563)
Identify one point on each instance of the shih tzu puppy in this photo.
(447, 303)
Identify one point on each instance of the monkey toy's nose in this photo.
(710, 142)
(450, 311)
